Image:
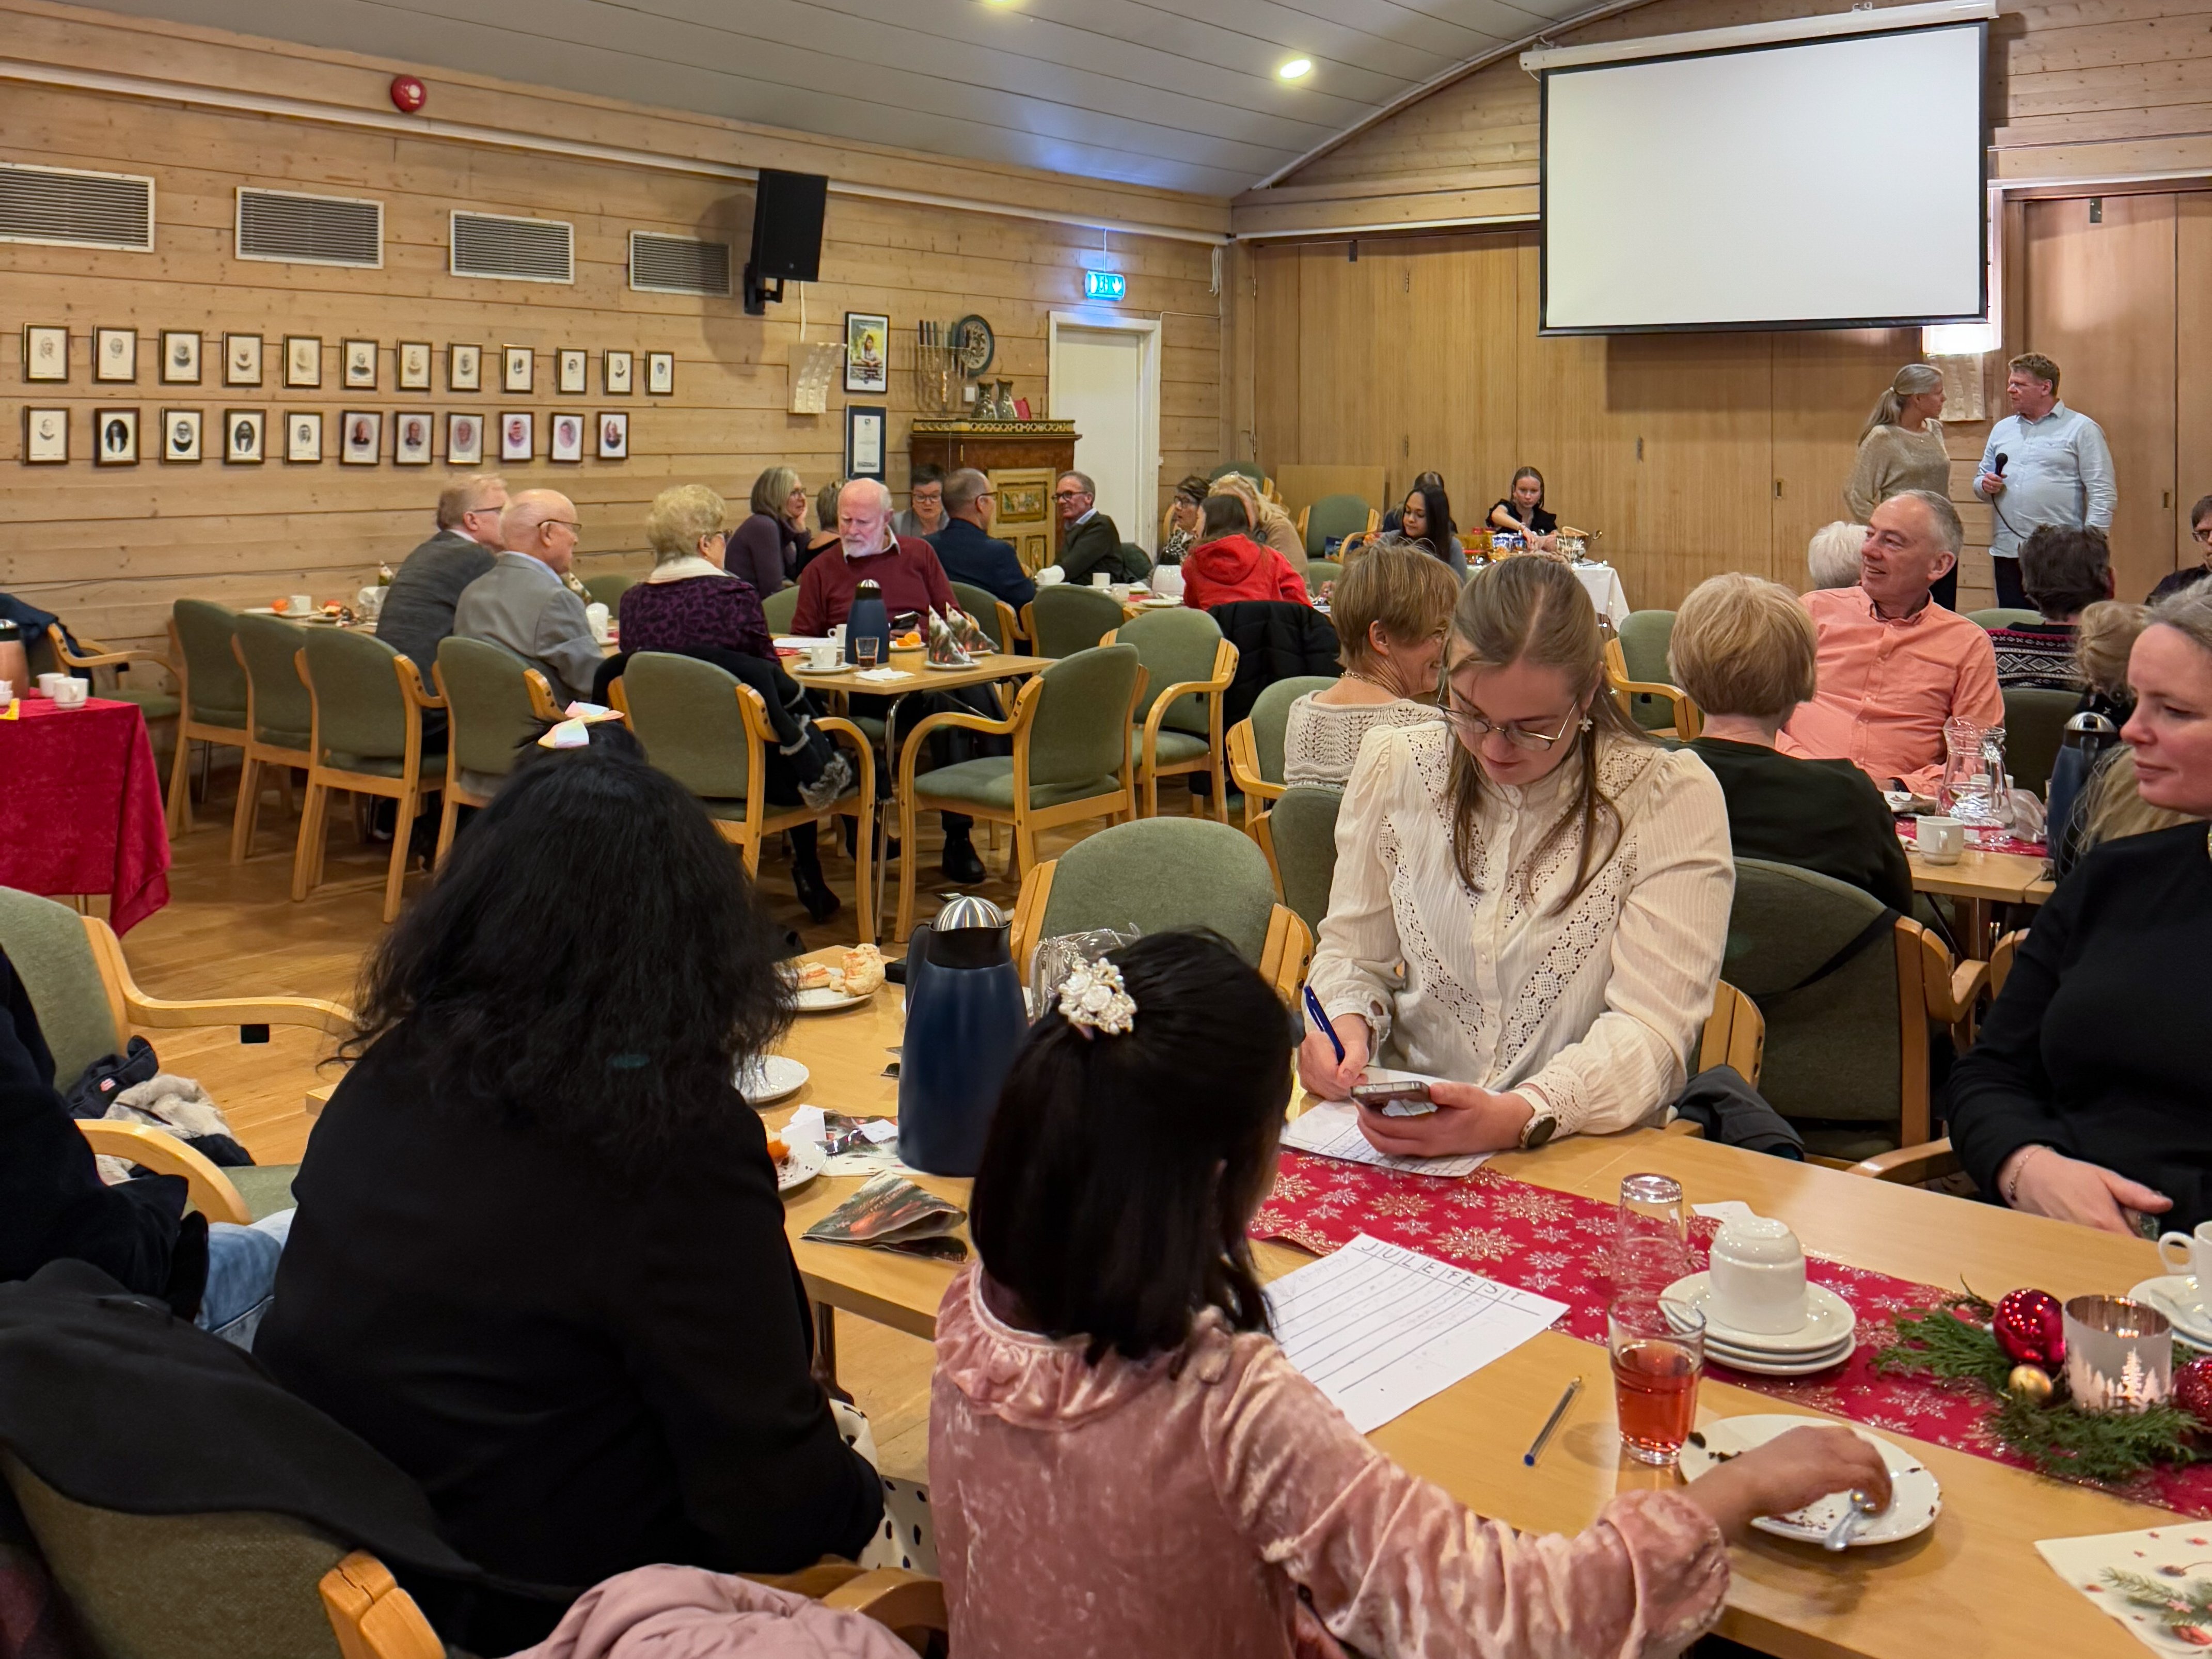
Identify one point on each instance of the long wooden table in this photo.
(1973, 1584)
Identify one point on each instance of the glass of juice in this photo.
(1658, 1352)
(864, 648)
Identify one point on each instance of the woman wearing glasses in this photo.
(2200, 527)
(1531, 896)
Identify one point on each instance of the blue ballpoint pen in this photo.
(1313, 1008)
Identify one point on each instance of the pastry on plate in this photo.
(864, 970)
(813, 976)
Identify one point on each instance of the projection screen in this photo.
(1833, 182)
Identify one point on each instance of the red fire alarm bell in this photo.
(408, 94)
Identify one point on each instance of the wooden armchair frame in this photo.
(1305, 514)
(1215, 692)
(1734, 1034)
(1925, 1159)
(1259, 795)
(542, 706)
(1688, 721)
(1116, 807)
(762, 820)
(322, 778)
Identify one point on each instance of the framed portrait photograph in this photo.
(359, 357)
(180, 357)
(574, 366)
(410, 365)
(614, 435)
(45, 437)
(867, 353)
(464, 439)
(241, 360)
(565, 441)
(411, 438)
(303, 361)
(242, 432)
(303, 436)
(465, 368)
(45, 353)
(614, 367)
(115, 437)
(115, 355)
(180, 435)
(514, 369)
(864, 441)
(660, 372)
(361, 437)
(518, 435)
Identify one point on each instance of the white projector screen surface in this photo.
(1830, 183)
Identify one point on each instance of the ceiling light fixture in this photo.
(1297, 69)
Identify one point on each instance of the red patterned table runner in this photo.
(1556, 1244)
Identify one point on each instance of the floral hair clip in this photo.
(1092, 999)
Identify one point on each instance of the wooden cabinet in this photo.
(1022, 459)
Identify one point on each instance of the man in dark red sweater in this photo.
(907, 570)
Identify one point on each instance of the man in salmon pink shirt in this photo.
(1893, 665)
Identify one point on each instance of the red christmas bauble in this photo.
(2031, 1327)
(408, 94)
(2193, 1388)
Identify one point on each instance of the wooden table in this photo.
(1976, 884)
(1973, 1584)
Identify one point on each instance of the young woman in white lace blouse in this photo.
(1531, 898)
(1391, 608)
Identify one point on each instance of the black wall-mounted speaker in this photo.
(787, 209)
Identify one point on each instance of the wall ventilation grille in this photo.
(61, 206)
(677, 265)
(309, 230)
(517, 250)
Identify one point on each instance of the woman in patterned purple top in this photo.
(689, 600)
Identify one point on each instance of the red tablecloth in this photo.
(80, 807)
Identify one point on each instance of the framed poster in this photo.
(614, 368)
(115, 433)
(303, 436)
(180, 435)
(566, 442)
(410, 365)
(115, 355)
(464, 368)
(45, 437)
(572, 368)
(864, 442)
(242, 434)
(464, 439)
(614, 436)
(411, 438)
(360, 360)
(514, 373)
(180, 357)
(659, 373)
(45, 353)
(241, 360)
(867, 353)
(517, 439)
(303, 361)
(361, 437)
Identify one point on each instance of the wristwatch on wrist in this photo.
(1543, 1123)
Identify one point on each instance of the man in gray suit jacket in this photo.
(418, 606)
(522, 603)
(1091, 544)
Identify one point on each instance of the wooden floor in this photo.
(229, 930)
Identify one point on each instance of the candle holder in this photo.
(2119, 1354)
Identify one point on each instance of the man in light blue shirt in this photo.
(2056, 469)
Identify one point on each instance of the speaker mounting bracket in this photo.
(759, 293)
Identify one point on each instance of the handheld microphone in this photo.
(2002, 459)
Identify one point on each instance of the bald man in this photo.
(522, 603)
(418, 606)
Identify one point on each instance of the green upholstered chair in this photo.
(79, 983)
(1072, 759)
(992, 614)
(2035, 725)
(1644, 636)
(1134, 558)
(710, 732)
(1156, 875)
(365, 734)
(1332, 519)
(153, 702)
(494, 702)
(1188, 668)
(2002, 615)
(277, 716)
(1064, 618)
(1256, 743)
(779, 607)
(1298, 836)
(210, 693)
(1846, 1055)
(608, 587)
(1319, 571)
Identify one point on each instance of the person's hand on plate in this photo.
(1786, 1473)
(1467, 1118)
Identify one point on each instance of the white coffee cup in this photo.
(48, 682)
(1120, 591)
(1100, 579)
(2196, 1258)
(1939, 840)
(7, 691)
(299, 604)
(822, 657)
(1758, 1277)
(70, 693)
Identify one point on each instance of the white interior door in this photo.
(1105, 378)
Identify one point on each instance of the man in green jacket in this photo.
(1091, 544)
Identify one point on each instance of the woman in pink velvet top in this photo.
(1123, 1462)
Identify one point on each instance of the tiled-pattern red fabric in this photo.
(80, 807)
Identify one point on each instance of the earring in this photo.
(1588, 723)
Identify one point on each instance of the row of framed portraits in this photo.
(243, 438)
(115, 363)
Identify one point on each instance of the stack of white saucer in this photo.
(1761, 1314)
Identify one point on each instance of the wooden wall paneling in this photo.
(2192, 416)
(1457, 374)
(1277, 351)
(1825, 384)
(2101, 305)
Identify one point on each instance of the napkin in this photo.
(2157, 1583)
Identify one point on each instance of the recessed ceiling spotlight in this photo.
(1297, 69)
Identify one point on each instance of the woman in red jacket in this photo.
(1227, 564)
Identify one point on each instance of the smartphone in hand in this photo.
(1400, 1097)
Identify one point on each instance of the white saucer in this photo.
(770, 1078)
(1828, 1320)
(1158, 602)
(1757, 1366)
(2173, 1295)
(807, 1161)
(1915, 1502)
(826, 999)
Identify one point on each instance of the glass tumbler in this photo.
(1658, 1352)
(1651, 1238)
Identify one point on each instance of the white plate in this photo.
(825, 999)
(770, 1078)
(1770, 1367)
(1158, 602)
(806, 1162)
(1828, 1320)
(2174, 1296)
(1915, 1502)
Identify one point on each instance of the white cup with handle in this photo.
(299, 604)
(2196, 1260)
(7, 691)
(70, 693)
(1757, 1273)
(1939, 840)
